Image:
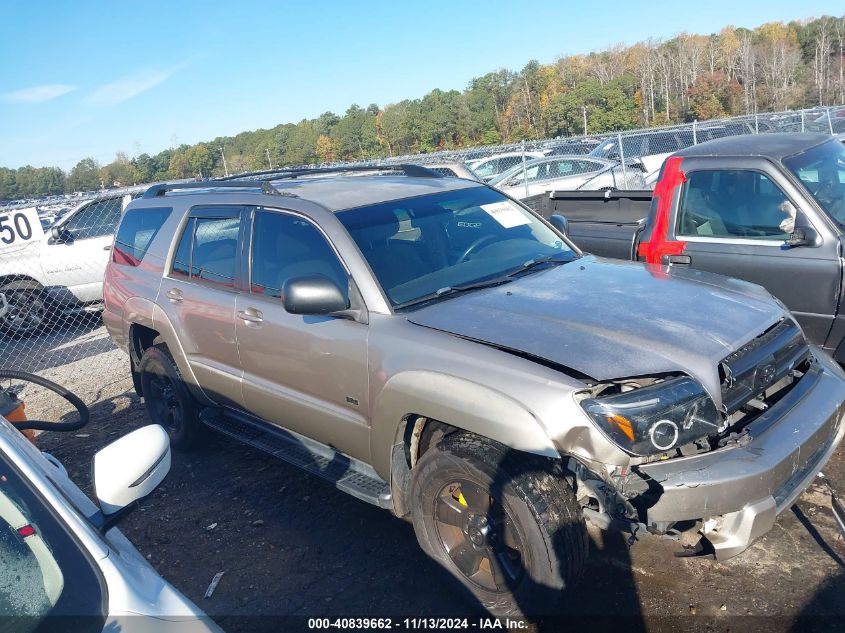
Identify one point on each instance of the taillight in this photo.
(659, 244)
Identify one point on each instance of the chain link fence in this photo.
(53, 251)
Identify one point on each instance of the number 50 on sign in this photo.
(19, 227)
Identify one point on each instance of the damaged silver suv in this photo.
(433, 347)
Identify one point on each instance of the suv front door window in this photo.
(321, 360)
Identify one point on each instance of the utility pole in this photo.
(225, 167)
(584, 110)
(268, 159)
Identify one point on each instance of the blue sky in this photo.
(89, 78)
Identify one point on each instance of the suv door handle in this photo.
(251, 315)
(682, 260)
(175, 295)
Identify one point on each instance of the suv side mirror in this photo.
(802, 237)
(314, 294)
(560, 223)
(129, 469)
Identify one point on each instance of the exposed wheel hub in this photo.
(478, 535)
(478, 530)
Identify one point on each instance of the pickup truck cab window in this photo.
(734, 204)
(821, 169)
(286, 246)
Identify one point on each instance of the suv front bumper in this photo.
(739, 491)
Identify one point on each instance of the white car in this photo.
(60, 268)
(567, 173)
(62, 564)
(489, 168)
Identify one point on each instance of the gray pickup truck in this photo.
(432, 347)
(766, 208)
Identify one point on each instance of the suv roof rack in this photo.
(415, 171)
(156, 191)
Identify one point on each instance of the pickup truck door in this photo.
(730, 219)
(305, 373)
(76, 262)
(198, 296)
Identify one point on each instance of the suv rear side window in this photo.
(208, 250)
(286, 246)
(136, 232)
(734, 204)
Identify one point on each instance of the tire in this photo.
(530, 543)
(27, 313)
(168, 401)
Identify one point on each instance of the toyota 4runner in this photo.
(435, 348)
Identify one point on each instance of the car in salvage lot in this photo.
(490, 167)
(60, 269)
(64, 566)
(435, 348)
(568, 173)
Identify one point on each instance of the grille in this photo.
(751, 370)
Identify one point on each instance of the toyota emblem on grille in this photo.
(764, 375)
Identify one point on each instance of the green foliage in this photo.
(85, 176)
(610, 107)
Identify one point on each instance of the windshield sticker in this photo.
(506, 214)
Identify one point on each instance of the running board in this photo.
(346, 473)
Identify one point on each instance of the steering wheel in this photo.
(469, 249)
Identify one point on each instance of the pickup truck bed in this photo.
(600, 222)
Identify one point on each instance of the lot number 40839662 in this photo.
(17, 227)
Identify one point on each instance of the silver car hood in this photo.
(608, 319)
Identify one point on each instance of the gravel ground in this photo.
(292, 545)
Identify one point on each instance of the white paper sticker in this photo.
(18, 227)
(506, 214)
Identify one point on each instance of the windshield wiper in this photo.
(450, 291)
(533, 263)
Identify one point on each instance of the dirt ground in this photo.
(292, 545)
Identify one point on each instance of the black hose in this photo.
(40, 425)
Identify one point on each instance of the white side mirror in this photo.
(130, 468)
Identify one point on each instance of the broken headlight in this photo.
(658, 418)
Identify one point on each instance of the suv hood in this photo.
(608, 319)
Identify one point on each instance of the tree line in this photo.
(773, 67)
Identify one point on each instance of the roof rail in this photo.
(157, 191)
(415, 171)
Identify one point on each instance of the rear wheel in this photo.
(168, 401)
(501, 522)
(26, 309)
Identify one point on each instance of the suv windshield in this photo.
(46, 582)
(419, 246)
(822, 170)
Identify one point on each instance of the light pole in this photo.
(268, 159)
(225, 167)
(584, 110)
